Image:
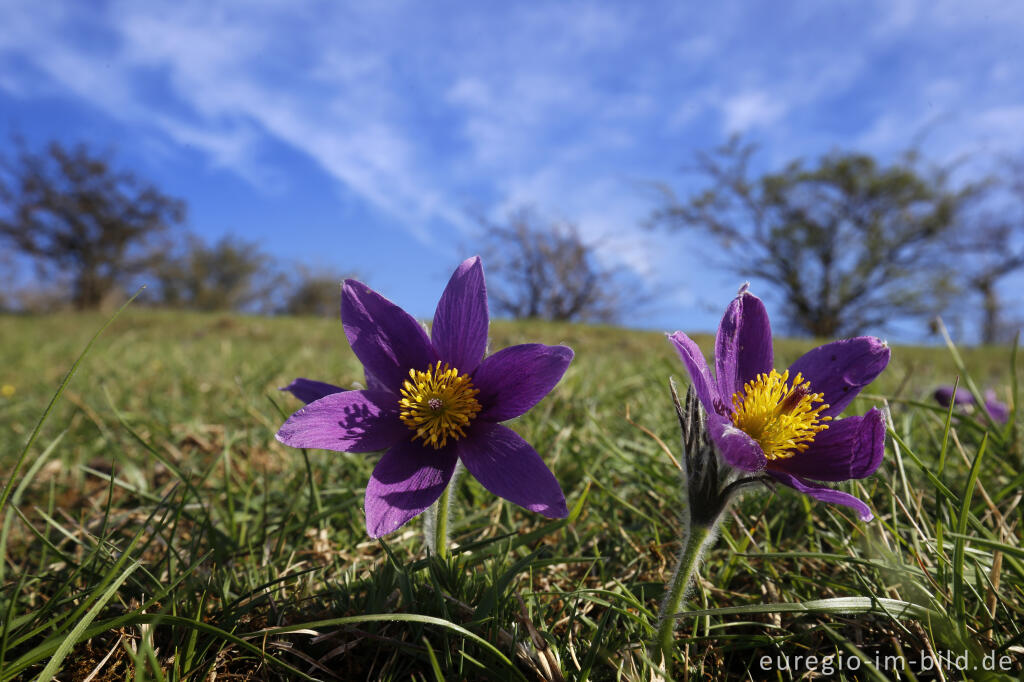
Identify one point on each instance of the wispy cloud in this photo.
(751, 108)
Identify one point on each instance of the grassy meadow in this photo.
(157, 531)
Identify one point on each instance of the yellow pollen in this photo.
(438, 404)
(780, 416)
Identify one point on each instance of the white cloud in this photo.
(895, 16)
(1002, 127)
(212, 67)
(751, 108)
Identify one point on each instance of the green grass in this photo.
(156, 530)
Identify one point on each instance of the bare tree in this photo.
(313, 292)
(8, 274)
(991, 248)
(848, 244)
(73, 214)
(547, 271)
(998, 258)
(230, 274)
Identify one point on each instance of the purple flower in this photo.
(998, 409)
(786, 425)
(944, 396)
(433, 401)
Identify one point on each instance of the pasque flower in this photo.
(750, 424)
(786, 425)
(431, 402)
(999, 410)
(944, 396)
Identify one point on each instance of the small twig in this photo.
(99, 666)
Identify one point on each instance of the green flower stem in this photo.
(689, 557)
(435, 521)
(441, 509)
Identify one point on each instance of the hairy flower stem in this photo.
(435, 527)
(710, 489)
(689, 557)
(441, 511)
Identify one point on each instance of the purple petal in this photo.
(849, 448)
(842, 368)
(823, 494)
(373, 383)
(509, 467)
(998, 409)
(407, 479)
(700, 377)
(944, 395)
(385, 338)
(308, 390)
(738, 449)
(459, 331)
(350, 421)
(516, 378)
(743, 346)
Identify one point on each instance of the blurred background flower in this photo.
(999, 410)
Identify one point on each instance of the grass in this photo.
(157, 531)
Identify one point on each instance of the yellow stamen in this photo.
(437, 404)
(780, 416)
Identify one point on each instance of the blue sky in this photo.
(365, 136)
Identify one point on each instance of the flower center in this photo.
(780, 416)
(437, 404)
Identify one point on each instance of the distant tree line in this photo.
(91, 232)
(847, 243)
